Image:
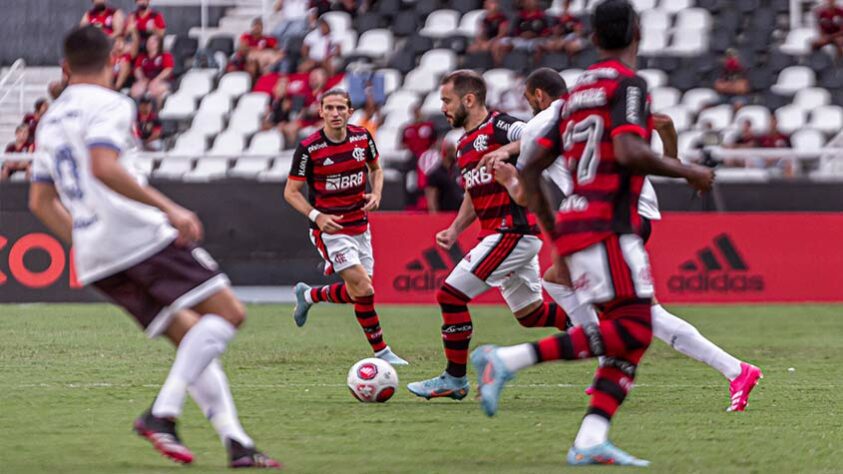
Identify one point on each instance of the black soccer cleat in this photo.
(249, 457)
(161, 432)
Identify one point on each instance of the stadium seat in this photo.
(812, 98)
(215, 103)
(688, 42)
(206, 124)
(279, 170)
(401, 99)
(178, 106)
(391, 80)
(497, 81)
(375, 43)
(725, 174)
(245, 123)
(367, 21)
(687, 142)
(173, 167)
(655, 78)
(235, 84)
(439, 61)
(791, 118)
(653, 43)
(195, 84)
(828, 119)
(388, 7)
(228, 143)
(478, 61)
(206, 169)
(655, 20)
(432, 104)
(441, 23)
(418, 44)
(641, 5)
(424, 8)
(252, 103)
(807, 140)
(470, 23)
(405, 23)
(720, 116)
(421, 80)
(680, 115)
(792, 79)
(798, 41)
(266, 143)
(222, 43)
(693, 19)
(758, 116)
(348, 42)
(248, 167)
(675, 6)
(142, 165)
(339, 21)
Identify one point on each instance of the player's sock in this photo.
(336, 293)
(204, 342)
(612, 382)
(686, 339)
(579, 313)
(456, 328)
(547, 315)
(211, 393)
(517, 357)
(594, 430)
(364, 309)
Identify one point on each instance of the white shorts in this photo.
(614, 269)
(342, 251)
(509, 262)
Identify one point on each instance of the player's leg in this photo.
(330, 248)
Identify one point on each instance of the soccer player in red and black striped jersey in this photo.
(507, 255)
(336, 163)
(603, 133)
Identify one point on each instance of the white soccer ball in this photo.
(372, 380)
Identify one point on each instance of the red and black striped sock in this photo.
(612, 383)
(335, 293)
(548, 315)
(457, 328)
(364, 309)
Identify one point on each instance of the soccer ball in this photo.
(372, 380)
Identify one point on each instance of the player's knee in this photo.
(444, 296)
(237, 314)
(361, 288)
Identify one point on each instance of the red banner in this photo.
(696, 258)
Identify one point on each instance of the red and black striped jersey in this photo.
(494, 207)
(336, 175)
(608, 100)
(103, 19)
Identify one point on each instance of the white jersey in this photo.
(110, 232)
(538, 126)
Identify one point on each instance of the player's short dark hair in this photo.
(547, 80)
(87, 49)
(336, 91)
(465, 82)
(615, 23)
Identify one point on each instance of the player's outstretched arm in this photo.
(540, 159)
(44, 202)
(633, 152)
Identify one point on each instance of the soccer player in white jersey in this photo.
(542, 91)
(137, 247)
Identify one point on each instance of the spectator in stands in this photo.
(733, 84)
(568, 35)
(145, 22)
(280, 114)
(746, 137)
(776, 139)
(263, 49)
(294, 20)
(124, 53)
(149, 125)
(153, 72)
(419, 135)
(372, 117)
(494, 26)
(442, 190)
(708, 138)
(240, 61)
(320, 49)
(530, 32)
(308, 97)
(31, 119)
(111, 20)
(830, 21)
(21, 144)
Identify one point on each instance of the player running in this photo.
(336, 163)
(507, 255)
(542, 93)
(137, 247)
(604, 134)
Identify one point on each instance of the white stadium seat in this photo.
(791, 118)
(391, 79)
(653, 43)
(812, 97)
(793, 79)
(248, 166)
(252, 103)
(693, 19)
(215, 103)
(280, 168)
(206, 124)
(143, 165)
(207, 169)
(571, 76)
(674, 6)
(688, 42)
(497, 81)
(664, 97)
(641, 5)
(697, 99)
(687, 141)
(347, 41)
(340, 22)
(178, 106)
(439, 61)
(441, 23)
(266, 143)
(654, 77)
(235, 84)
(245, 123)
(173, 167)
(401, 99)
(421, 80)
(758, 116)
(432, 104)
(375, 43)
(470, 23)
(808, 140)
(190, 144)
(828, 119)
(720, 116)
(228, 143)
(655, 20)
(680, 115)
(798, 41)
(195, 84)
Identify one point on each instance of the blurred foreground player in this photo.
(137, 247)
(604, 133)
(336, 163)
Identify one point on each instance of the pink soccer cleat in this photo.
(743, 384)
(589, 390)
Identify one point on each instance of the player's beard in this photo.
(460, 116)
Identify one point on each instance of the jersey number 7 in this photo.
(588, 130)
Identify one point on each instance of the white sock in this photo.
(517, 357)
(204, 342)
(686, 339)
(211, 393)
(593, 431)
(566, 297)
(308, 297)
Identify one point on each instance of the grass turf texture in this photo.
(74, 377)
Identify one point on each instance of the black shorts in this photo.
(155, 289)
(646, 229)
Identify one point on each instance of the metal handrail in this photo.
(19, 64)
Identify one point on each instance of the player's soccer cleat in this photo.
(604, 453)
(242, 456)
(444, 385)
(740, 388)
(302, 306)
(390, 357)
(589, 390)
(161, 432)
(492, 375)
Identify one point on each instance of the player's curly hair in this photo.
(615, 24)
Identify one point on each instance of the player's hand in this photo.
(187, 224)
(700, 178)
(505, 173)
(663, 123)
(373, 202)
(490, 159)
(446, 238)
(328, 223)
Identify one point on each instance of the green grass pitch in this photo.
(73, 377)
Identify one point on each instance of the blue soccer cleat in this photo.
(302, 306)
(492, 375)
(604, 453)
(390, 357)
(444, 385)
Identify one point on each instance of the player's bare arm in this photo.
(465, 217)
(633, 152)
(373, 199)
(667, 132)
(44, 202)
(502, 154)
(531, 175)
(293, 194)
(106, 168)
(507, 176)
